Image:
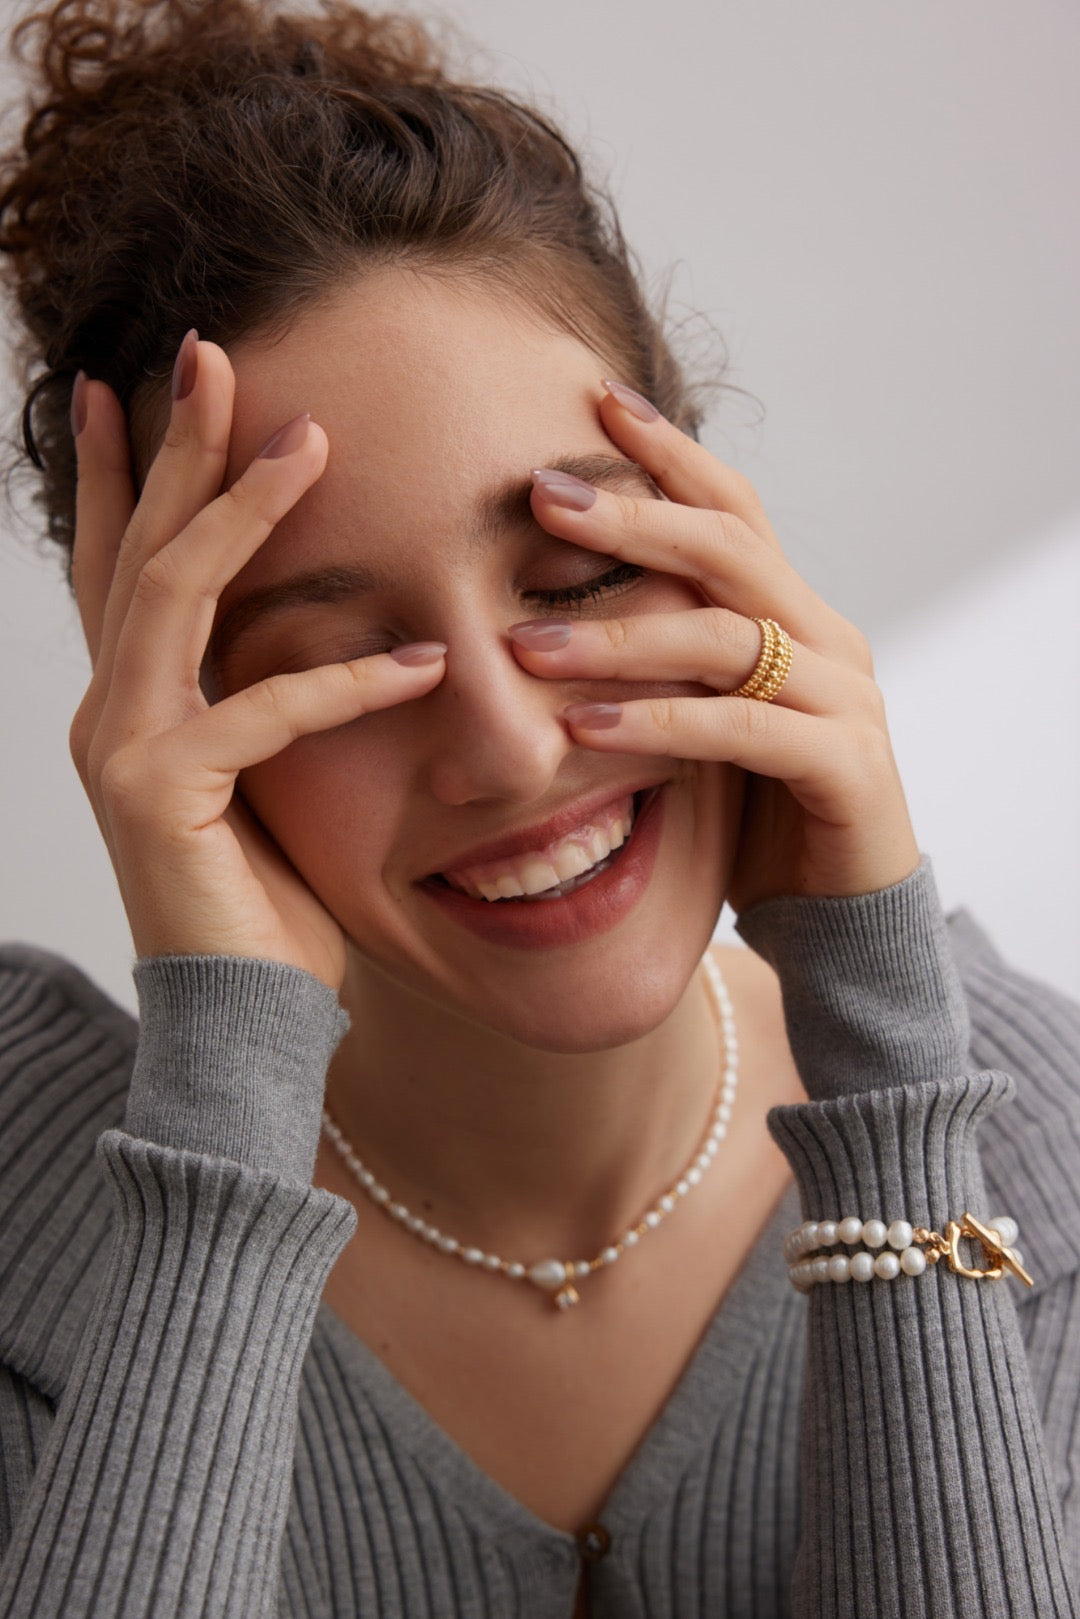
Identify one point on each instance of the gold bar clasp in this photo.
(998, 1258)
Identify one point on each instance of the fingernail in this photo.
(593, 716)
(563, 489)
(635, 403)
(186, 366)
(286, 439)
(78, 404)
(541, 634)
(414, 652)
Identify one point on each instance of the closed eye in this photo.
(623, 574)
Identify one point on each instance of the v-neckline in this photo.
(747, 1316)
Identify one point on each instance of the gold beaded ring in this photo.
(773, 665)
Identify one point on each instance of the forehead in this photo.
(429, 391)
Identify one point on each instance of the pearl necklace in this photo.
(556, 1276)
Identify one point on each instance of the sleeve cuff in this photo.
(232, 1059)
(872, 993)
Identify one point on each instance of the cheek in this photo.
(333, 803)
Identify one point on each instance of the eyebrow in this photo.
(506, 507)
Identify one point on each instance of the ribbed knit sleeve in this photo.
(925, 1485)
(163, 1486)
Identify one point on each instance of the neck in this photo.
(512, 1148)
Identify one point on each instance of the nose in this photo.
(495, 729)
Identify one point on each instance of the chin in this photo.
(613, 1015)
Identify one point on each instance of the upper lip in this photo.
(538, 836)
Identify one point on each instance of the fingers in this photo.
(104, 500)
(835, 770)
(685, 470)
(709, 645)
(715, 550)
(174, 596)
(115, 533)
(255, 724)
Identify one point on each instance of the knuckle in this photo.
(177, 435)
(663, 715)
(122, 781)
(81, 734)
(858, 649)
(617, 633)
(158, 577)
(753, 718)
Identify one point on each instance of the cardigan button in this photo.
(594, 1542)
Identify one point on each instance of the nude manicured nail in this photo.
(286, 439)
(593, 716)
(78, 404)
(186, 368)
(635, 403)
(541, 634)
(563, 489)
(414, 652)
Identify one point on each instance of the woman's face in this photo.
(437, 398)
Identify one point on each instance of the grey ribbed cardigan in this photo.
(186, 1430)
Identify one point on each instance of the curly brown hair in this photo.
(223, 163)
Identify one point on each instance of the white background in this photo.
(875, 206)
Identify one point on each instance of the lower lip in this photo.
(594, 908)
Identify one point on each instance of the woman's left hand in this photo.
(825, 811)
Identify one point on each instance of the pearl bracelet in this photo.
(898, 1248)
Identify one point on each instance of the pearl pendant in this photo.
(566, 1297)
(548, 1274)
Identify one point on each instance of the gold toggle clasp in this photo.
(998, 1258)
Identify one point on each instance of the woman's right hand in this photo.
(197, 873)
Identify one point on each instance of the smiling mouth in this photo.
(562, 868)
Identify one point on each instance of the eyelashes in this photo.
(273, 659)
(623, 574)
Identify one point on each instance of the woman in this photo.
(443, 688)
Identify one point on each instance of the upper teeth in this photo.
(567, 857)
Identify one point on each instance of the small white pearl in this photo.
(667, 1203)
(516, 1270)
(862, 1267)
(693, 1175)
(798, 1280)
(491, 1262)
(839, 1268)
(820, 1269)
(728, 1094)
(629, 1238)
(887, 1265)
(609, 1256)
(703, 1160)
(367, 1179)
(874, 1233)
(826, 1233)
(379, 1194)
(1006, 1228)
(653, 1218)
(900, 1234)
(548, 1273)
(681, 1188)
(472, 1256)
(712, 1146)
(912, 1261)
(849, 1229)
(723, 1112)
(448, 1245)
(583, 1267)
(398, 1211)
(808, 1234)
